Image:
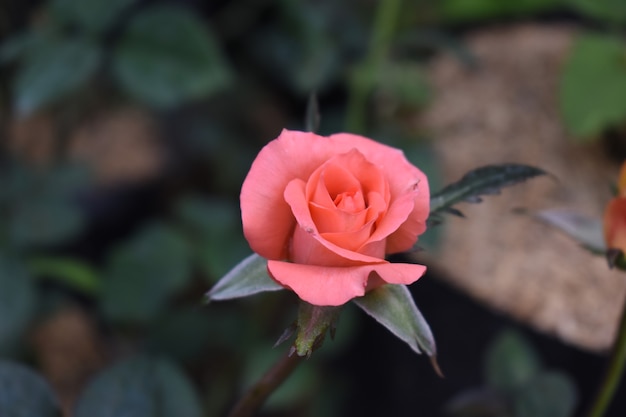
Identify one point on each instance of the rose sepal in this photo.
(247, 278)
(312, 325)
(394, 308)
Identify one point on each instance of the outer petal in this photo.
(266, 217)
(406, 235)
(333, 286)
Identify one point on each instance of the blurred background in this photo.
(127, 127)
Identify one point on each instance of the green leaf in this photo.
(24, 393)
(140, 387)
(607, 11)
(53, 70)
(464, 11)
(585, 230)
(394, 307)
(313, 323)
(167, 56)
(249, 277)
(405, 83)
(72, 273)
(550, 394)
(214, 227)
(18, 45)
(510, 362)
(42, 221)
(487, 180)
(143, 273)
(92, 16)
(593, 86)
(17, 301)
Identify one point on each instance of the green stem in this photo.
(364, 77)
(256, 396)
(613, 373)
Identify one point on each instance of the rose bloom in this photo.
(325, 211)
(615, 216)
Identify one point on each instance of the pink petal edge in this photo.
(334, 286)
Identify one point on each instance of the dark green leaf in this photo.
(72, 273)
(404, 84)
(45, 222)
(17, 301)
(19, 45)
(313, 323)
(511, 362)
(593, 86)
(612, 11)
(185, 335)
(550, 394)
(140, 387)
(142, 274)
(214, 227)
(394, 307)
(487, 180)
(167, 56)
(585, 230)
(54, 70)
(92, 16)
(463, 10)
(24, 393)
(247, 278)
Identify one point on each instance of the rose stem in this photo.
(258, 393)
(364, 76)
(613, 373)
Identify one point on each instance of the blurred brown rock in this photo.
(506, 110)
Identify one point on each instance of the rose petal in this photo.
(309, 247)
(615, 224)
(406, 235)
(267, 218)
(333, 286)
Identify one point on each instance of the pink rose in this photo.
(325, 211)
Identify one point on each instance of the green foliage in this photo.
(140, 387)
(38, 206)
(24, 393)
(214, 228)
(487, 180)
(517, 385)
(246, 278)
(404, 83)
(593, 86)
(142, 274)
(52, 70)
(608, 11)
(583, 229)
(394, 307)
(510, 362)
(550, 394)
(167, 56)
(17, 301)
(473, 10)
(73, 273)
(312, 325)
(91, 16)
